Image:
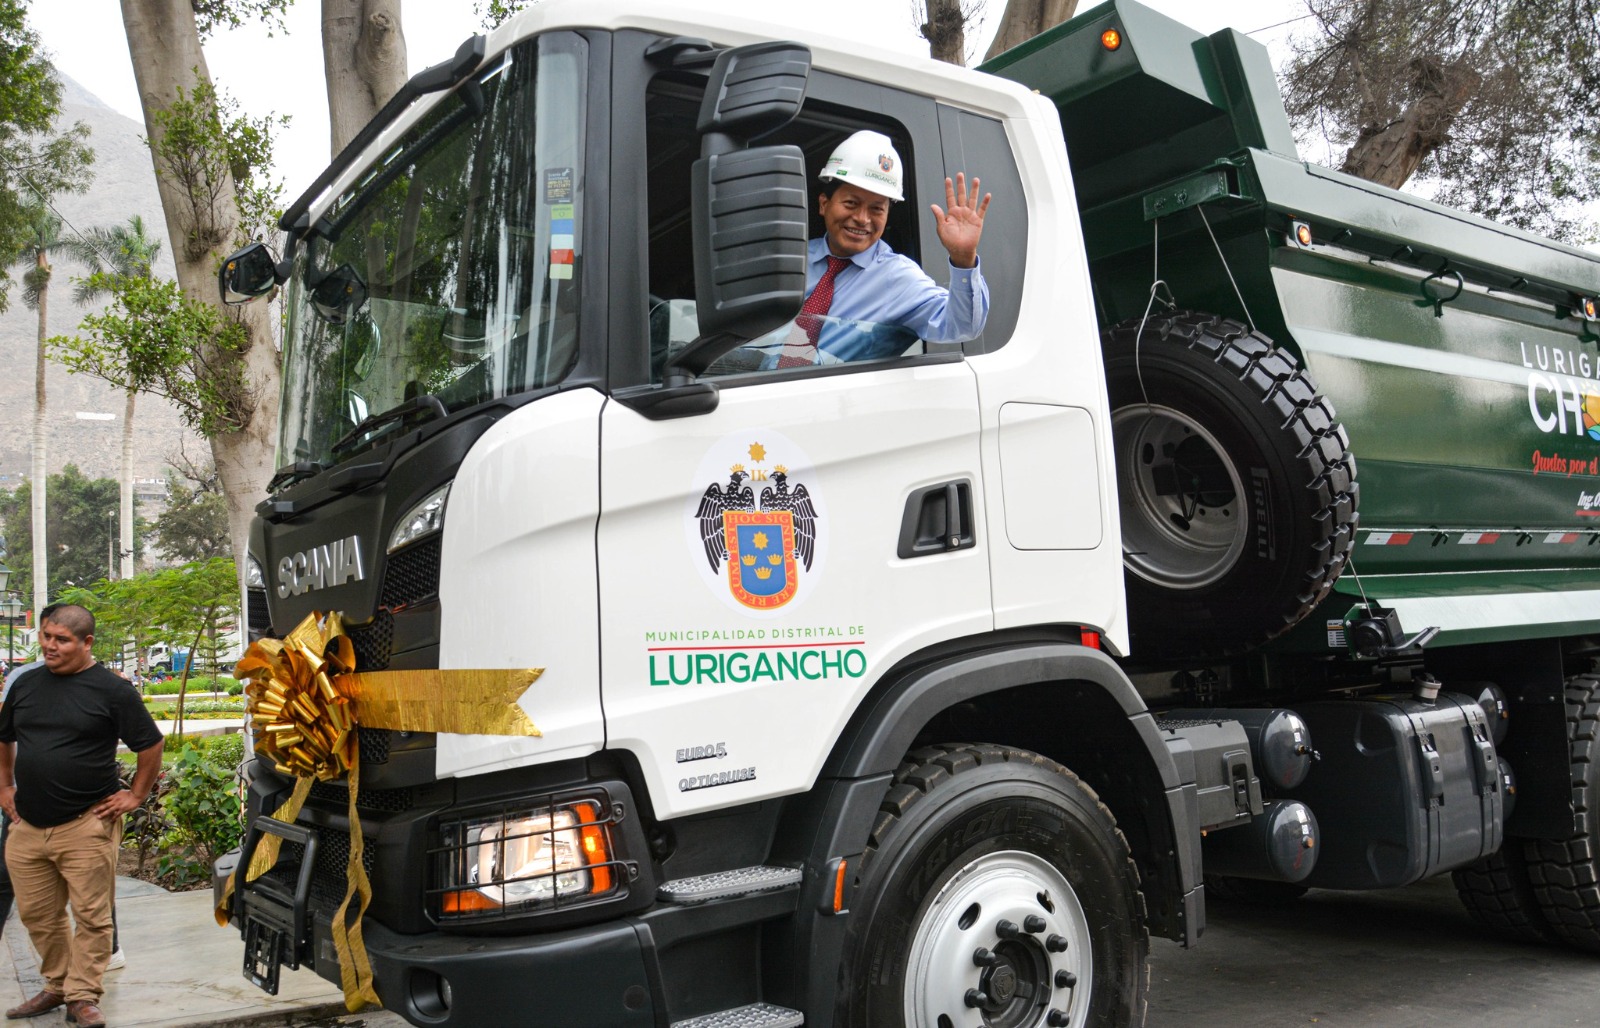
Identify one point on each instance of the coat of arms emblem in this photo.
(765, 545)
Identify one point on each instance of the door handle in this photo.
(938, 519)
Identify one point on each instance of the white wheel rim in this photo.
(1041, 975)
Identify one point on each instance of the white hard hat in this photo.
(868, 160)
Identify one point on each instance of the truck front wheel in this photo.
(1234, 480)
(995, 888)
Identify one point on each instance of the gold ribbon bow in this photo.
(306, 701)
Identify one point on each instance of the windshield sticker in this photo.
(757, 536)
(557, 186)
(562, 238)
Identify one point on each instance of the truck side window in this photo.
(673, 146)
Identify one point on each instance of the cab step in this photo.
(754, 1015)
(741, 881)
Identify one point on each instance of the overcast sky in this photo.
(283, 74)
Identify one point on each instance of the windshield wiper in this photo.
(292, 473)
(424, 404)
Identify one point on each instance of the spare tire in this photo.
(1235, 482)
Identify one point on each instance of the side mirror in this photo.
(749, 246)
(248, 275)
(749, 203)
(339, 294)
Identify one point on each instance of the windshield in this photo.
(448, 274)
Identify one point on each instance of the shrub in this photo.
(224, 751)
(169, 687)
(205, 815)
(146, 825)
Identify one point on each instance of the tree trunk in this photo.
(165, 47)
(364, 61)
(946, 31)
(125, 528)
(41, 551)
(1389, 153)
(1025, 19)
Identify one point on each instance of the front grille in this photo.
(258, 617)
(383, 801)
(412, 575)
(328, 875)
(374, 745)
(373, 642)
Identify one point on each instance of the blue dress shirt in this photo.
(883, 302)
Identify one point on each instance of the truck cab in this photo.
(849, 668)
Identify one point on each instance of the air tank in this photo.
(1280, 742)
(1279, 845)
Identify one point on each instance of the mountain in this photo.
(79, 431)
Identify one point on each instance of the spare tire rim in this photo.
(1004, 943)
(1181, 498)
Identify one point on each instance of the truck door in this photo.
(760, 565)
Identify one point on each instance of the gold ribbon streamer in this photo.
(306, 703)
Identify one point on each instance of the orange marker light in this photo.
(1590, 310)
(1111, 39)
(838, 887)
(1302, 232)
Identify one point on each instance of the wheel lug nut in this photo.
(1056, 1018)
(983, 958)
(1056, 944)
(1066, 979)
(1033, 924)
(977, 998)
(1007, 930)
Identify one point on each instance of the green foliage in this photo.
(205, 147)
(195, 524)
(153, 338)
(494, 13)
(126, 250)
(205, 814)
(211, 15)
(146, 824)
(76, 534)
(1497, 95)
(169, 687)
(35, 161)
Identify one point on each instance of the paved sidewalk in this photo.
(182, 970)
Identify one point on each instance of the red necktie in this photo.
(810, 319)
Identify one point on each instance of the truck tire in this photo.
(1497, 892)
(995, 885)
(1236, 484)
(1565, 873)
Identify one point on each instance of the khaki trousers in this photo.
(72, 863)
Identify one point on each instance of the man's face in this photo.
(853, 218)
(63, 652)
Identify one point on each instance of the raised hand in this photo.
(962, 227)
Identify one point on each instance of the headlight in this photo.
(254, 576)
(526, 860)
(426, 518)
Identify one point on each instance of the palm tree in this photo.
(126, 251)
(44, 238)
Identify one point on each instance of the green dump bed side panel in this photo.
(1475, 421)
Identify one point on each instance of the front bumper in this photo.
(592, 976)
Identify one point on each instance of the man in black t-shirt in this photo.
(59, 729)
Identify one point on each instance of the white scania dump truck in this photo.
(1251, 548)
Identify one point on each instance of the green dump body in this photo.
(1453, 349)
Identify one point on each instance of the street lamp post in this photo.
(10, 605)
